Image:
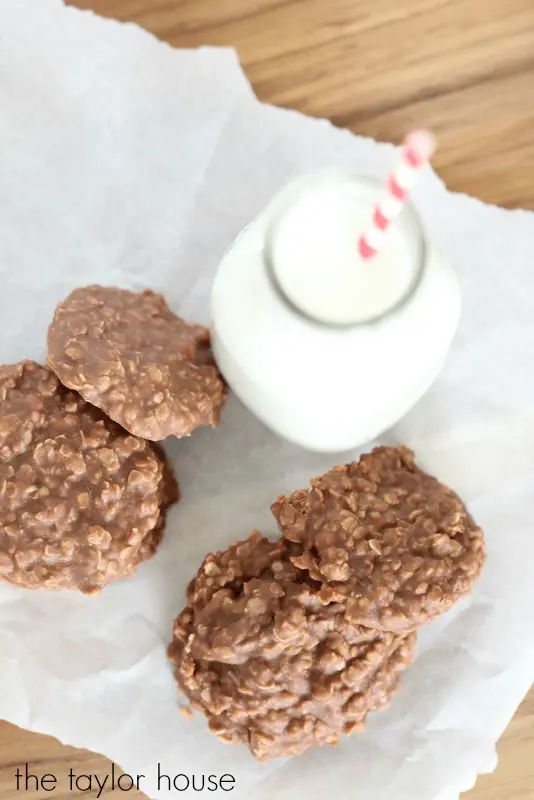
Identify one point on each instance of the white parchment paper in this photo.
(125, 162)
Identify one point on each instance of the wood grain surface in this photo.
(465, 68)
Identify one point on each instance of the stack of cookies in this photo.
(84, 489)
(289, 644)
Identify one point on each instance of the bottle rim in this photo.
(286, 199)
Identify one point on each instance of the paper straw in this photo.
(416, 152)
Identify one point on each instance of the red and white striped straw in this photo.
(417, 150)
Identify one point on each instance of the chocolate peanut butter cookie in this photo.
(394, 544)
(82, 502)
(271, 664)
(128, 354)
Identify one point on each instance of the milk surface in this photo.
(330, 386)
(314, 253)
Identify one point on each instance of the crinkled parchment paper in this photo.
(124, 161)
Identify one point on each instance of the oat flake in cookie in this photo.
(82, 502)
(126, 353)
(270, 664)
(396, 544)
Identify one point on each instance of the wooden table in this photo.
(465, 68)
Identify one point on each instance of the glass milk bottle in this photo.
(328, 350)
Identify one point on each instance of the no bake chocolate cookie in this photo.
(128, 354)
(385, 538)
(82, 502)
(272, 664)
